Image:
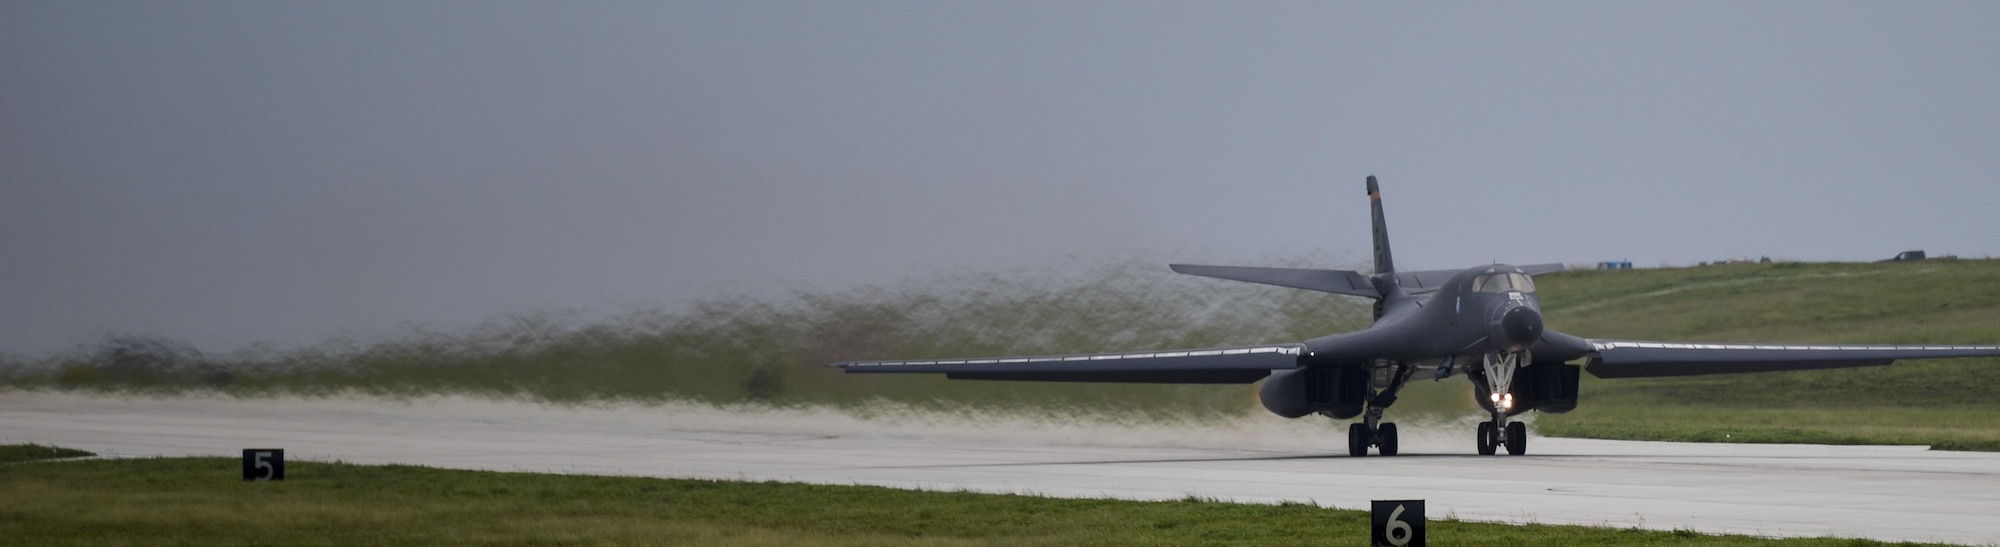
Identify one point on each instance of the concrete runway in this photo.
(1887, 493)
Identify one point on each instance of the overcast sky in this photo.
(228, 173)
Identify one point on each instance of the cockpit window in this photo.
(1503, 282)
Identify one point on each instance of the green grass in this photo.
(201, 501)
(771, 351)
(1948, 404)
(11, 453)
(1942, 301)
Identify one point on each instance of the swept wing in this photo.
(1231, 365)
(1642, 359)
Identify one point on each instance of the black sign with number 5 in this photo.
(1397, 523)
(263, 464)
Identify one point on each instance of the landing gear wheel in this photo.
(1357, 440)
(1488, 437)
(1385, 439)
(1517, 439)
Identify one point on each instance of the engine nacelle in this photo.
(1338, 391)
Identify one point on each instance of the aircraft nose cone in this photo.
(1518, 327)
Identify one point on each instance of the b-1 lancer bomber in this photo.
(1483, 322)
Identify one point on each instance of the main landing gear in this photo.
(1493, 382)
(1491, 438)
(1388, 379)
(1358, 439)
(1499, 375)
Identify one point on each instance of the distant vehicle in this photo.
(1906, 256)
(1615, 265)
(1483, 322)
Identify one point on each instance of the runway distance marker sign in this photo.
(1397, 523)
(263, 464)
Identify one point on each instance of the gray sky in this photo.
(229, 173)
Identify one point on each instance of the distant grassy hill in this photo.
(1939, 301)
(772, 350)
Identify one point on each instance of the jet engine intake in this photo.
(1547, 387)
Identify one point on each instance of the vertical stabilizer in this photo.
(1383, 263)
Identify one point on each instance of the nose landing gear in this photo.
(1498, 373)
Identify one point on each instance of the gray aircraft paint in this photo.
(1414, 333)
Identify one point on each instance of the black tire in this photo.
(1385, 439)
(1357, 440)
(1488, 436)
(1517, 439)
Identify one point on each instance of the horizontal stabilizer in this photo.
(1629, 359)
(1333, 281)
(1235, 365)
(1539, 269)
(1424, 281)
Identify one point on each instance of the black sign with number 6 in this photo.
(263, 464)
(1397, 523)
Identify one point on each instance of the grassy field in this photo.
(202, 501)
(1949, 404)
(770, 351)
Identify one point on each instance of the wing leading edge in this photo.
(1638, 359)
(1232, 365)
